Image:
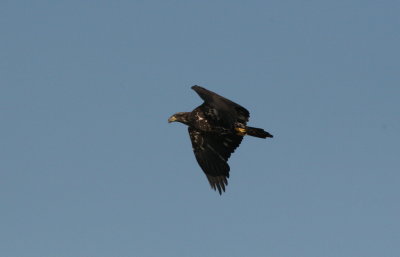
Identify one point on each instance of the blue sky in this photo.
(89, 165)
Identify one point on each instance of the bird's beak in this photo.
(172, 119)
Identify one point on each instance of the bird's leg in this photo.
(240, 131)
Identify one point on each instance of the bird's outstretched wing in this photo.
(212, 153)
(221, 108)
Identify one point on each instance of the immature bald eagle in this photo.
(216, 129)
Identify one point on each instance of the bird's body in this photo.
(216, 129)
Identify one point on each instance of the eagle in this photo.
(216, 129)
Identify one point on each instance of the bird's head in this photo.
(182, 117)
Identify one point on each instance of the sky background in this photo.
(89, 166)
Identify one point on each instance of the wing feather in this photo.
(229, 111)
(212, 153)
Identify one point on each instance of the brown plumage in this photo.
(216, 129)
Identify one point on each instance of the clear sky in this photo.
(89, 166)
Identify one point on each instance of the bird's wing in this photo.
(212, 153)
(225, 109)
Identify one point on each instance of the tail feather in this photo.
(257, 132)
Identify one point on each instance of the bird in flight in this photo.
(216, 129)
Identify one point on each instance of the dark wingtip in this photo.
(196, 88)
(218, 183)
(219, 189)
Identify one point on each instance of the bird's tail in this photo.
(257, 132)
